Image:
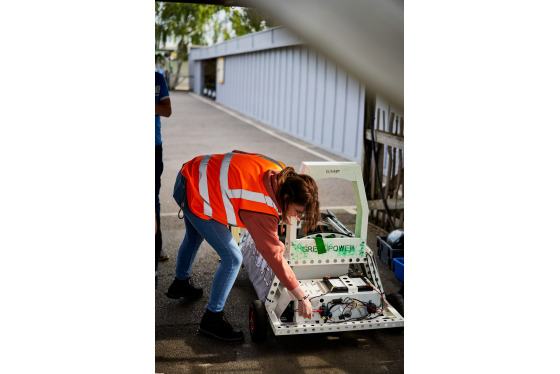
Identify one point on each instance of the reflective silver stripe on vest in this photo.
(203, 185)
(271, 160)
(254, 196)
(226, 192)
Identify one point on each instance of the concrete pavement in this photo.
(198, 126)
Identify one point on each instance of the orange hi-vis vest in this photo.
(218, 186)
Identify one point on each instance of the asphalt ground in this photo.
(198, 126)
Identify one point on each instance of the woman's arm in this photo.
(263, 229)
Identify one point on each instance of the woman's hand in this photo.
(305, 309)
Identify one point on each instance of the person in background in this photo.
(247, 190)
(163, 108)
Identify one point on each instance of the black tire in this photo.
(258, 321)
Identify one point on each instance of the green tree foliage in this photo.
(248, 20)
(196, 24)
(182, 22)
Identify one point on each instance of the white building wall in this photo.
(272, 77)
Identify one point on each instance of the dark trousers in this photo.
(159, 171)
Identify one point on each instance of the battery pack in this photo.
(335, 284)
(362, 284)
(347, 284)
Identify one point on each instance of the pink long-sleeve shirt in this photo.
(264, 231)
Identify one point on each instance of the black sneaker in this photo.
(183, 288)
(216, 325)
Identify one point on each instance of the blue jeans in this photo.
(219, 237)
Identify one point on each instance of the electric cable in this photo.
(355, 319)
(382, 300)
(372, 259)
(314, 297)
(327, 309)
(376, 280)
(352, 304)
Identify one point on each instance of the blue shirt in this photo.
(162, 92)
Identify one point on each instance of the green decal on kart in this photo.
(298, 251)
(362, 250)
(301, 251)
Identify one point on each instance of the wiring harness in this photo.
(345, 308)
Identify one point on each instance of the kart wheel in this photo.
(258, 321)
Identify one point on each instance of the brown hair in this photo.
(300, 189)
